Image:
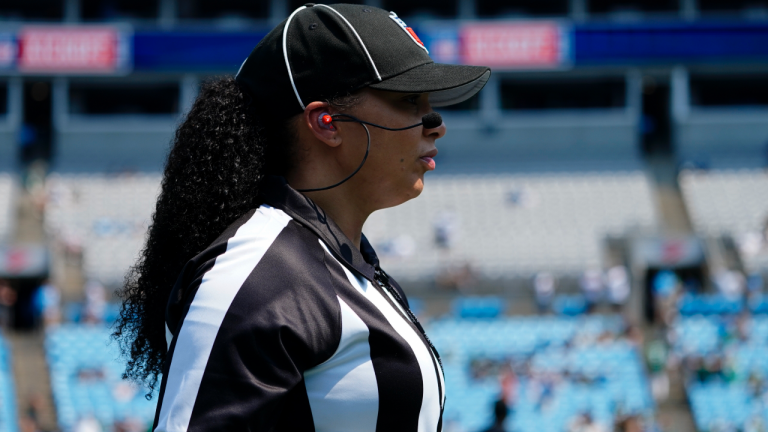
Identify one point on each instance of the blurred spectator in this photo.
(509, 385)
(656, 355)
(585, 423)
(754, 285)
(457, 276)
(591, 283)
(755, 424)
(129, 425)
(49, 299)
(8, 299)
(665, 283)
(28, 424)
(544, 287)
(730, 283)
(629, 424)
(401, 246)
(751, 243)
(446, 228)
(544, 389)
(756, 384)
(88, 424)
(665, 286)
(634, 335)
(617, 281)
(88, 375)
(95, 302)
(523, 197)
(500, 413)
(124, 391)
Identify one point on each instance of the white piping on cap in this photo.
(285, 55)
(357, 36)
(241, 67)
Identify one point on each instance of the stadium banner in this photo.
(23, 261)
(7, 51)
(67, 50)
(502, 45)
(672, 252)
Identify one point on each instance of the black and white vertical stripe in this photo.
(278, 325)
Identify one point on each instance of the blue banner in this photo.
(193, 51)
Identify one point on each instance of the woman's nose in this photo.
(435, 132)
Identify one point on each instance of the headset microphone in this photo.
(325, 120)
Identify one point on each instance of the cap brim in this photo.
(446, 84)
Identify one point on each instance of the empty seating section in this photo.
(86, 378)
(7, 205)
(511, 224)
(730, 394)
(591, 373)
(730, 202)
(106, 215)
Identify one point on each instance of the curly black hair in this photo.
(218, 157)
(220, 153)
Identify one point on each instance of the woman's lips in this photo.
(429, 161)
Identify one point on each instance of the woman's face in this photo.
(394, 170)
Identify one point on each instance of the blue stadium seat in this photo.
(619, 377)
(86, 378)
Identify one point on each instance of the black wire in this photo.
(353, 119)
(367, 149)
(383, 279)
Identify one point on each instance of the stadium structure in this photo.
(589, 254)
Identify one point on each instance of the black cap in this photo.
(323, 51)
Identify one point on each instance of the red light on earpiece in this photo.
(327, 119)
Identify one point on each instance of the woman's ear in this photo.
(317, 117)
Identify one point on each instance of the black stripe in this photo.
(283, 321)
(184, 290)
(398, 375)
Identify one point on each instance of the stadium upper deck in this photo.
(577, 83)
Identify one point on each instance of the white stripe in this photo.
(168, 336)
(219, 287)
(436, 363)
(342, 391)
(358, 38)
(431, 402)
(285, 55)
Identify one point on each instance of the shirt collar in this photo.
(276, 192)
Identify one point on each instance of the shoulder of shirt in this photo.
(295, 251)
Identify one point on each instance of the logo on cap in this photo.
(408, 30)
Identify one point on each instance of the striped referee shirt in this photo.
(282, 324)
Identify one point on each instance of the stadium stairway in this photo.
(30, 370)
(674, 413)
(30, 373)
(672, 211)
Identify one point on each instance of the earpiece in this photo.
(325, 121)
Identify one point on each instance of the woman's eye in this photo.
(413, 99)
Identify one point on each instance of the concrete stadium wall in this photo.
(7, 150)
(533, 138)
(719, 137)
(9, 127)
(128, 144)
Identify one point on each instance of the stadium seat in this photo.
(511, 224)
(729, 202)
(86, 372)
(105, 215)
(615, 380)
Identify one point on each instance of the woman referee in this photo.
(257, 298)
